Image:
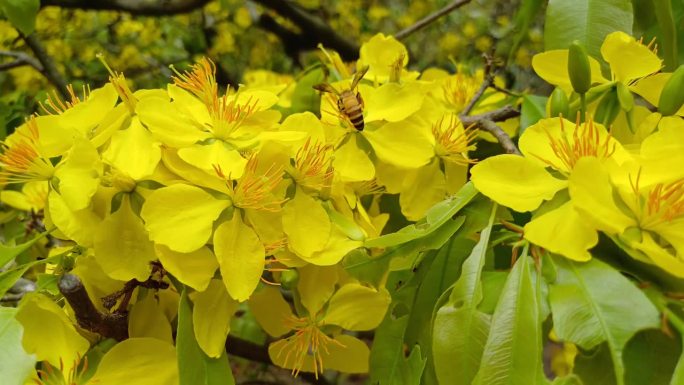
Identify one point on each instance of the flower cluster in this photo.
(212, 184)
(581, 177)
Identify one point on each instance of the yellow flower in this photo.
(551, 148)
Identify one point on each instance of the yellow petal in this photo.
(194, 269)
(661, 150)
(499, 178)
(15, 199)
(54, 139)
(240, 255)
(133, 151)
(338, 246)
(628, 58)
(148, 320)
(181, 216)
(592, 195)
(167, 124)
(122, 246)
(357, 307)
(423, 188)
(211, 315)
(189, 105)
(206, 157)
(392, 102)
(86, 115)
(305, 122)
(379, 53)
(659, 256)
(79, 174)
(402, 144)
(351, 163)
(138, 361)
(97, 283)
(316, 285)
(190, 173)
(79, 226)
(270, 310)
(345, 354)
(306, 224)
(552, 66)
(48, 332)
(563, 231)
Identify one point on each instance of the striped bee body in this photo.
(351, 106)
(349, 103)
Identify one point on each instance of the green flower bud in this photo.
(289, 279)
(558, 104)
(578, 68)
(608, 108)
(672, 97)
(625, 97)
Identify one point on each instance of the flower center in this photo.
(21, 160)
(54, 105)
(662, 203)
(586, 140)
(313, 165)
(199, 81)
(452, 141)
(459, 90)
(255, 190)
(120, 84)
(308, 340)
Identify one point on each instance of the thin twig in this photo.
(21, 59)
(430, 18)
(50, 71)
(489, 76)
(486, 122)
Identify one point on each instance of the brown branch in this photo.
(487, 122)
(430, 18)
(489, 76)
(137, 7)
(50, 71)
(113, 325)
(314, 30)
(21, 59)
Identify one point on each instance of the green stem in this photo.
(583, 106)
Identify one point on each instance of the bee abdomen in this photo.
(356, 119)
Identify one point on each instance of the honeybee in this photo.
(349, 102)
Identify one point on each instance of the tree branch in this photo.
(137, 7)
(50, 71)
(430, 18)
(314, 30)
(114, 325)
(21, 59)
(486, 121)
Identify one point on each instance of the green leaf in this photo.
(588, 21)
(8, 253)
(304, 97)
(666, 22)
(567, 380)
(592, 367)
(15, 364)
(513, 353)
(9, 277)
(592, 303)
(533, 109)
(21, 13)
(650, 358)
(194, 366)
(527, 12)
(388, 364)
(460, 330)
(435, 217)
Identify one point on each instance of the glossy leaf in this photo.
(533, 109)
(15, 364)
(588, 21)
(194, 366)
(513, 353)
(435, 217)
(460, 330)
(592, 303)
(389, 365)
(8, 253)
(22, 13)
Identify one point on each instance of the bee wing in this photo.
(358, 76)
(325, 87)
